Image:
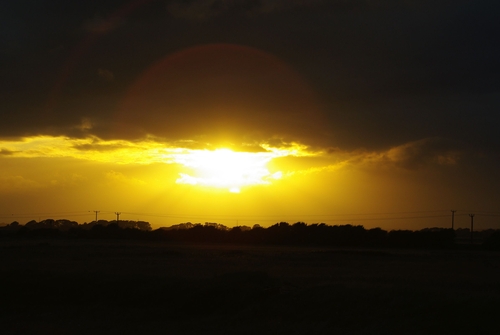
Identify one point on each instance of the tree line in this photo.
(68, 227)
(282, 233)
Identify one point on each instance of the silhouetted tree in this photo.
(376, 237)
(12, 226)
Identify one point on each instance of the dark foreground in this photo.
(106, 287)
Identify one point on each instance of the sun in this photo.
(225, 168)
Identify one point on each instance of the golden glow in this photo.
(167, 183)
(92, 149)
(224, 168)
(220, 168)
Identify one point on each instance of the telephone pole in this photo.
(96, 215)
(471, 228)
(117, 216)
(453, 219)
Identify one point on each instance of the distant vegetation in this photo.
(63, 227)
(282, 233)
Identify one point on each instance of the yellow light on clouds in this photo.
(220, 168)
(91, 149)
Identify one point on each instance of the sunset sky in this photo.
(376, 113)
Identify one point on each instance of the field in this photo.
(120, 287)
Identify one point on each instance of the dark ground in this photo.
(120, 287)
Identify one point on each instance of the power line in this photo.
(261, 216)
(23, 216)
(277, 215)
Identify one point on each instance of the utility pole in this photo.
(117, 216)
(96, 215)
(471, 228)
(453, 219)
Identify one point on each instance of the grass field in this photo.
(120, 287)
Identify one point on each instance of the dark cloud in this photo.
(383, 73)
(100, 25)
(221, 92)
(436, 151)
(201, 10)
(97, 146)
(5, 152)
(106, 75)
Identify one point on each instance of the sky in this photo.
(376, 113)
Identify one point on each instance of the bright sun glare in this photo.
(224, 168)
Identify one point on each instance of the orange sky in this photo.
(278, 112)
(143, 181)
